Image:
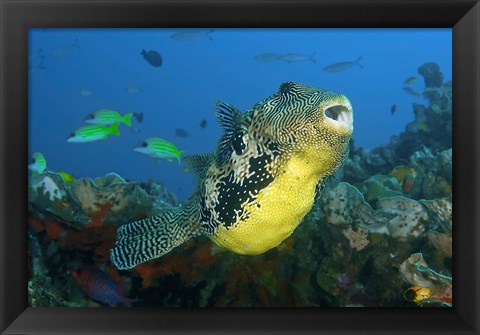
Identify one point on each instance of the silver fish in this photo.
(64, 50)
(298, 58)
(188, 35)
(342, 66)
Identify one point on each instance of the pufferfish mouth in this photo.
(340, 114)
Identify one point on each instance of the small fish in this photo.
(37, 163)
(412, 91)
(86, 92)
(64, 50)
(393, 109)
(36, 55)
(67, 177)
(188, 35)
(152, 57)
(107, 117)
(203, 124)
(92, 133)
(138, 116)
(132, 89)
(410, 80)
(408, 183)
(181, 132)
(36, 67)
(417, 294)
(436, 109)
(342, 66)
(298, 58)
(267, 57)
(159, 148)
(99, 286)
(423, 127)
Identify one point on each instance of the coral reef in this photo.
(431, 128)
(371, 240)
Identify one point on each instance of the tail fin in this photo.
(126, 119)
(75, 44)
(153, 237)
(138, 116)
(208, 34)
(113, 129)
(312, 57)
(357, 62)
(180, 153)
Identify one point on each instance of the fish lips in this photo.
(142, 149)
(340, 114)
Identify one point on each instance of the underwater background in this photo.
(387, 243)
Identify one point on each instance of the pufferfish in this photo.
(259, 183)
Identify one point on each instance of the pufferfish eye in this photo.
(286, 87)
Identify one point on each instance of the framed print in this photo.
(165, 162)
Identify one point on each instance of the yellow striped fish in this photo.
(106, 117)
(159, 148)
(92, 133)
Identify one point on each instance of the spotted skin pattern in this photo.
(254, 192)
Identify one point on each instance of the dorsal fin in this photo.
(228, 116)
(231, 120)
(198, 165)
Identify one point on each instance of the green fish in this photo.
(159, 148)
(436, 109)
(410, 80)
(38, 163)
(107, 117)
(423, 127)
(67, 177)
(260, 181)
(92, 133)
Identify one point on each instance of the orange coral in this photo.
(98, 216)
(37, 225)
(54, 230)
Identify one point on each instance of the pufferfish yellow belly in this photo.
(260, 181)
(277, 211)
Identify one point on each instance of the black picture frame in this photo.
(17, 16)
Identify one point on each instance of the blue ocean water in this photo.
(74, 72)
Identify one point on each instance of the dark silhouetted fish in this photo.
(342, 66)
(138, 116)
(393, 109)
(203, 124)
(152, 57)
(181, 132)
